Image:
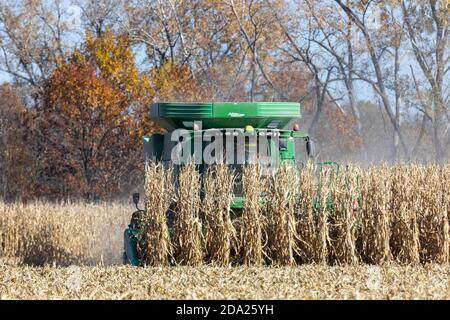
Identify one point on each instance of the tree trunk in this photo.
(397, 103)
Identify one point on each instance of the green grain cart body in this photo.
(262, 116)
(275, 115)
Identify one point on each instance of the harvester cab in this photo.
(234, 133)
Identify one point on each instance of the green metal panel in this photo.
(153, 147)
(226, 114)
(130, 245)
(186, 110)
(270, 109)
(255, 109)
(238, 203)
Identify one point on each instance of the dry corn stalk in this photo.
(188, 228)
(344, 198)
(156, 249)
(281, 224)
(312, 215)
(218, 196)
(445, 228)
(251, 245)
(404, 240)
(433, 216)
(62, 234)
(403, 214)
(375, 217)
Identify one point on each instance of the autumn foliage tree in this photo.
(372, 78)
(14, 160)
(88, 130)
(174, 82)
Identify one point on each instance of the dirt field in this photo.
(304, 282)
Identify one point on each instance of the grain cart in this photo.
(248, 132)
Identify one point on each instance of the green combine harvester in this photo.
(252, 130)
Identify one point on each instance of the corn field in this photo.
(323, 215)
(64, 234)
(316, 215)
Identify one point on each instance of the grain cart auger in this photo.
(266, 131)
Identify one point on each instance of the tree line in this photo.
(79, 77)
